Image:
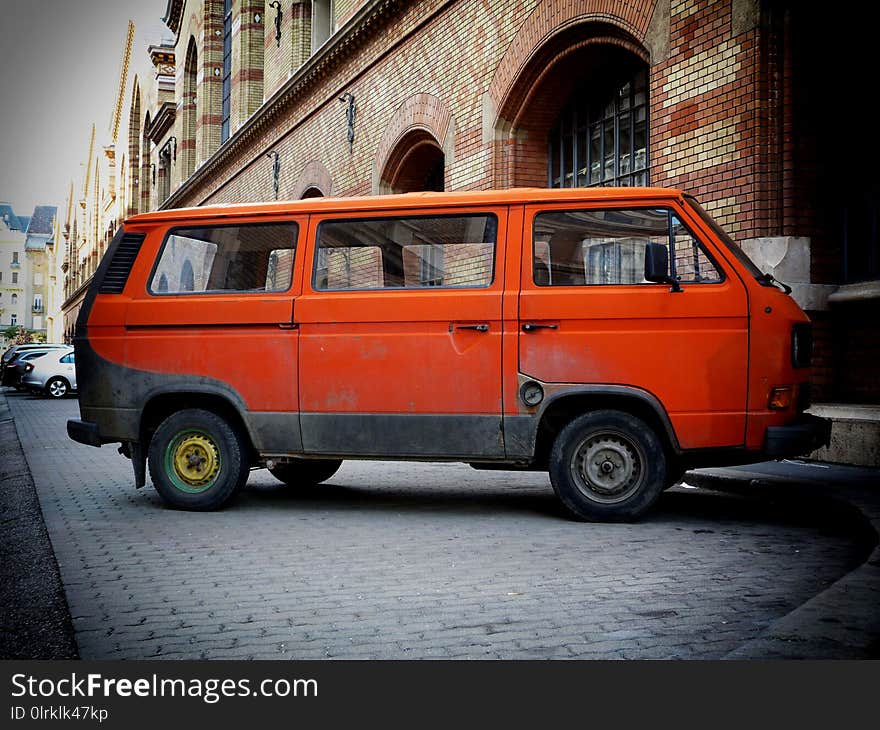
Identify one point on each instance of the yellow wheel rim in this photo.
(195, 460)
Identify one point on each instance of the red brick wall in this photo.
(704, 116)
(733, 113)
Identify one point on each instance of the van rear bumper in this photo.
(84, 432)
(807, 434)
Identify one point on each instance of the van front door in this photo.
(400, 335)
(589, 319)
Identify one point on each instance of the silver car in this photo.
(53, 374)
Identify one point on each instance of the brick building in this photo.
(736, 101)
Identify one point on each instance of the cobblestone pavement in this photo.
(398, 560)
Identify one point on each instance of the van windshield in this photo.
(728, 241)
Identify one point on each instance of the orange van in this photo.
(613, 337)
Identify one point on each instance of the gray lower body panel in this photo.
(403, 435)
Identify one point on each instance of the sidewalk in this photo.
(843, 620)
(34, 618)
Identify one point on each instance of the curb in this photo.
(35, 619)
(841, 622)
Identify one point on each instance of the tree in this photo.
(18, 335)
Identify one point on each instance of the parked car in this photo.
(11, 352)
(52, 374)
(12, 373)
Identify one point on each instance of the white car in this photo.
(53, 374)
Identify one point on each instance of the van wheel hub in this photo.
(607, 468)
(194, 459)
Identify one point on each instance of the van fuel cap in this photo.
(531, 393)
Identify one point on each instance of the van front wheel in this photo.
(607, 466)
(305, 472)
(198, 461)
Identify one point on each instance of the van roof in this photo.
(512, 196)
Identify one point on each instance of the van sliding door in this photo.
(400, 335)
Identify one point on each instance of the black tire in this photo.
(607, 466)
(198, 460)
(305, 472)
(57, 388)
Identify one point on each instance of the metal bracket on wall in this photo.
(350, 112)
(276, 170)
(278, 15)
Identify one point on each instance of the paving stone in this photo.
(401, 560)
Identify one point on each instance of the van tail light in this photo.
(801, 345)
(780, 399)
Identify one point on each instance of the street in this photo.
(400, 560)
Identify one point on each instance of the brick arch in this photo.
(423, 114)
(554, 17)
(538, 72)
(314, 175)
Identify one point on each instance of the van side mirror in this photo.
(657, 266)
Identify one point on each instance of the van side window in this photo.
(213, 259)
(406, 253)
(595, 247)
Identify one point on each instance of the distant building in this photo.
(24, 270)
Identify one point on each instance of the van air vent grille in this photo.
(120, 266)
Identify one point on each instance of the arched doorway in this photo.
(577, 114)
(417, 163)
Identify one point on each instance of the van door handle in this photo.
(288, 325)
(531, 327)
(475, 327)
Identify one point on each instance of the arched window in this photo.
(187, 279)
(14, 299)
(134, 151)
(186, 152)
(601, 136)
(146, 167)
(416, 164)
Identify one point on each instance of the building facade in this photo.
(25, 268)
(728, 99)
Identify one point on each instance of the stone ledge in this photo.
(855, 434)
(863, 291)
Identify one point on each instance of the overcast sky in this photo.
(59, 71)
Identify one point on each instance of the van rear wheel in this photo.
(198, 460)
(306, 472)
(607, 466)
